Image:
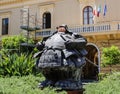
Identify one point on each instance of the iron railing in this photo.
(85, 29)
(103, 27)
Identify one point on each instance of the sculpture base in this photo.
(76, 91)
(69, 85)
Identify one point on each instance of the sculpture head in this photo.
(62, 28)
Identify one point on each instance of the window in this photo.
(46, 20)
(5, 24)
(88, 15)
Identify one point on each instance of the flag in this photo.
(99, 10)
(105, 10)
(95, 11)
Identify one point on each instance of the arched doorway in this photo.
(92, 67)
(46, 20)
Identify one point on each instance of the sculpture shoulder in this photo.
(78, 36)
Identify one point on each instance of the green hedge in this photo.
(110, 55)
(18, 43)
(13, 61)
(16, 64)
(13, 42)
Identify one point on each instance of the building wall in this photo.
(2, 16)
(67, 11)
(113, 10)
(62, 11)
(14, 20)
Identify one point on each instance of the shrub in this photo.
(15, 61)
(16, 64)
(13, 42)
(110, 55)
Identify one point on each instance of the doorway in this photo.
(91, 69)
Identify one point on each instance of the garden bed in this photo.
(110, 68)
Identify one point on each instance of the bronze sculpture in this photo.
(61, 58)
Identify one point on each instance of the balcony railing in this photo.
(91, 28)
(103, 27)
(119, 26)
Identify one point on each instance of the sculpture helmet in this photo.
(63, 25)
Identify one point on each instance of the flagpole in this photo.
(105, 10)
(105, 1)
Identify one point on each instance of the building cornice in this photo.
(7, 4)
(86, 1)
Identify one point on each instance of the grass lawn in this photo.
(109, 85)
(28, 85)
(24, 85)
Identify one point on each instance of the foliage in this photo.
(18, 43)
(110, 85)
(28, 85)
(15, 60)
(103, 75)
(24, 85)
(110, 55)
(13, 42)
(16, 64)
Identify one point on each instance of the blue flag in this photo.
(105, 10)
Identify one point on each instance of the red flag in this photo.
(95, 11)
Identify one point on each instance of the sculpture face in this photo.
(61, 29)
(61, 62)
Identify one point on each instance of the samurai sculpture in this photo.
(61, 59)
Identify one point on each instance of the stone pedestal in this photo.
(76, 91)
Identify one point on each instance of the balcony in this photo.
(110, 30)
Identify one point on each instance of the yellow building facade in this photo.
(97, 20)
